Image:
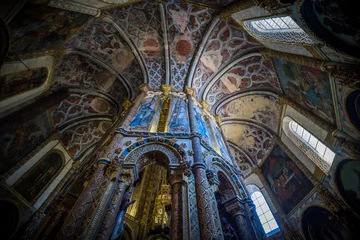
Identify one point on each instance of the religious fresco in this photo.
(264, 109)
(255, 141)
(17, 141)
(35, 180)
(286, 180)
(187, 24)
(41, 28)
(142, 23)
(336, 22)
(79, 71)
(320, 224)
(220, 141)
(20, 82)
(308, 87)
(179, 119)
(144, 116)
(202, 126)
(226, 41)
(251, 72)
(348, 182)
(82, 136)
(80, 105)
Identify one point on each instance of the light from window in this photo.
(265, 215)
(307, 137)
(277, 23)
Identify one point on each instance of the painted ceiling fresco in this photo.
(264, 109)
(255, 141)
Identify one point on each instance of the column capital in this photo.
(190, 91)
(176, 176)
(126, 104)
(166, 89)
(144, 87)
(218, 119)
(205, 105)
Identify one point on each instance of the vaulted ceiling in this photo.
(181, 44)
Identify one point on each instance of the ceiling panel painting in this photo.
(242, 161)
(41, 28)
(263, 109)
(142, 23)
(101, 39)
(78, 71)
(308, 87)
(255, 141)
(251, 72)
(226, 40)
(186, 26)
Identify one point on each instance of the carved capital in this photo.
(218, 119)
(176, 176)
(166, 89)
(144, 87)
(126, 104)
(190, 91)
(205, 105)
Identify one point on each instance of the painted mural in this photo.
(20, 82)
(201, 124)
(19, 140)
(264, 109)
(348, 180)
(144, 116)
(286, 180)
(308, 87)
(37, 27)
(220, 141)
(179, 119)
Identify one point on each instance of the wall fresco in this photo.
(286, 180)
(18, 141)
(19, 82)
(179, 119)
(144, 116)
(41, 28)
(202, 126)
(308, 87)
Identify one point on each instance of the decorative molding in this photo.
(74, 6)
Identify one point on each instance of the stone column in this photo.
(240, 218)
(176, 225)
(209, 227)
(109, 220)
(74, 226)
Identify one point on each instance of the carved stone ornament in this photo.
(128, 143)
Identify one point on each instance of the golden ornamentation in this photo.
(190, 91)
(144, 87)
(218, 119)
(164, 113)
(126, 104)
(128, 143)
(205, 105)
(166, 89)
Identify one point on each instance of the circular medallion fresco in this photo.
(100, 105)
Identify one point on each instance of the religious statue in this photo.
(119, 227)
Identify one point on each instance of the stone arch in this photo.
(174, 152)
(218, 165)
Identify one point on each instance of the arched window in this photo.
(263, 211)
(320, 154)
(279, 29)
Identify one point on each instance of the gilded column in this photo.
(73, 227)
(176, 206)
(209, 228)
(112, 211)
